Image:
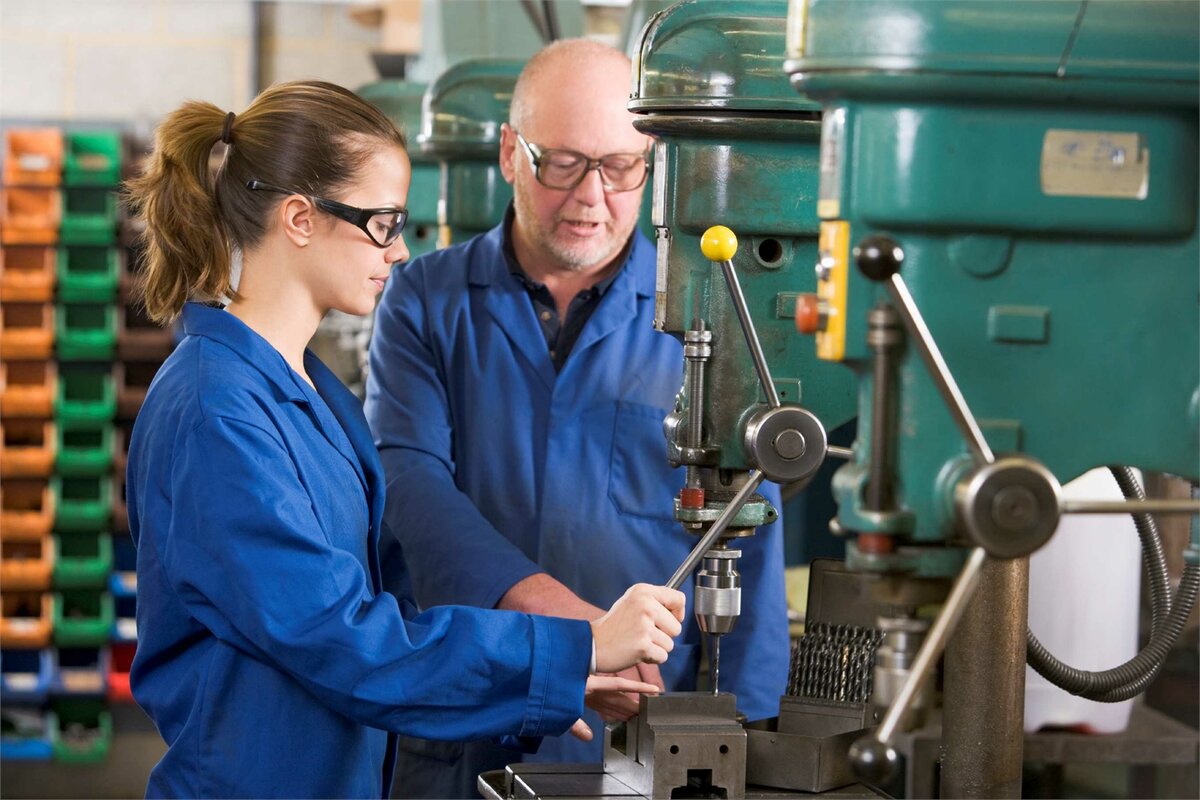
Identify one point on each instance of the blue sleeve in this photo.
(756, 655)
(251, 562)
(454, 554)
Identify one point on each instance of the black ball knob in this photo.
(878, 257)
(873, 761)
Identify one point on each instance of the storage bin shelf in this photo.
(81, 672)
(26, 566)
(80, 733)
(27, 331)
(93, 158)
(27, 509)
(82, 560)
(139, 338)
(28, 389)
(83, 618)
(25, 734)
(25, 675)
(85, 448)
(86, 332)
(132, 380)
(28, 273)
(30, 215)
(118, 675)
(82, 503)
(29, 447)
(88, 273)
(89, 216)
(86, 394)
(33, 157)
(27, 621)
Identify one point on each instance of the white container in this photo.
(1083, 606)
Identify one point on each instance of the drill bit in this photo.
(715, 661)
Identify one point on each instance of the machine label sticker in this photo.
(833, 155)
(1095, 164)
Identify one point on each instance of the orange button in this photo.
(808, 313)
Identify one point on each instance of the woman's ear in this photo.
(297, 218)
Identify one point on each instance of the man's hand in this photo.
(599, 686)
(639, 627)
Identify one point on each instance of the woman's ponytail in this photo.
(187, 249)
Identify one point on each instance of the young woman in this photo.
(268, 656)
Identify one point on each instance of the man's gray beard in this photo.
(570, 260)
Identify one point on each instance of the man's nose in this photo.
(590, 190)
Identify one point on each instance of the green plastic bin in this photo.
(82, 503)
(83, 618)
(85, 393)
(86, 331)
(89, 216)
(83, 560)
(85, 448)
(80, 732)
(88, 273)
(92, 158)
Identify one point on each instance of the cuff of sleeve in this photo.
(592, 666)
(561, 651)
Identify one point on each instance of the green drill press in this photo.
(1008, 264)
(461, 117)
(401, 102)
(731, 138)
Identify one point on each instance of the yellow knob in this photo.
(718, 243)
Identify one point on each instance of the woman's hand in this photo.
(639, 627)
(620, 706)
(601, 687)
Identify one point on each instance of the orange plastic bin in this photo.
(26, 510)
(28, 619)
(28, 273)
(26, 566)
(33, 157)
(28, 448)
(28, 331)
(30, 215)
(28, 388)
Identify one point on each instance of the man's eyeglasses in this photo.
(565, 169)
(382, 226)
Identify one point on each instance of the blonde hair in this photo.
(310, 137)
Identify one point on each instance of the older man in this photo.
(517, 391)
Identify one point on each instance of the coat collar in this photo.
(507, 300)
(221, 326)
(334, 409)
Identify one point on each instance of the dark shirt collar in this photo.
(515, 268)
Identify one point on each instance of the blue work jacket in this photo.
(498, 468)
(269, 656)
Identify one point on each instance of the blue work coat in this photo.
(498, 468)
(269, 656)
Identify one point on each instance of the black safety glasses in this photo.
(382, 226)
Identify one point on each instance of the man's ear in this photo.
(508, 149)
(297, 218)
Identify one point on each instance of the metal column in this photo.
(984, 690)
